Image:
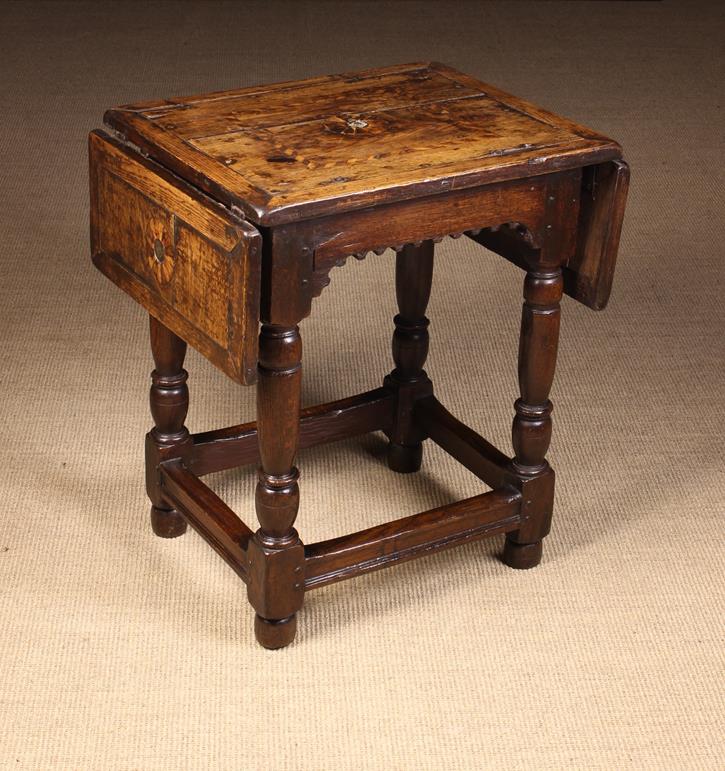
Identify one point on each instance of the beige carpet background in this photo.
(122, 651)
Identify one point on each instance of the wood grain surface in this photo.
(190, 263)
(294, 150)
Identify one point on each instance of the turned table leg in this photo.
(169, 438)
(276, 555)
(413, 277)
(531, 432)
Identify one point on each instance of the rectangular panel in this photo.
(431, 217)
(329, 156)
(588, 275)
(294, 151)
(188, 261)
(263, 107)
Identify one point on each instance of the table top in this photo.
(291, 151)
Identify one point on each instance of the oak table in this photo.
(223, 215)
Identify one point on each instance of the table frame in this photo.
(538, 221)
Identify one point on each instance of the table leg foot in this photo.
(167, 523)
(405, 459)
(275, 633)
(522, 556)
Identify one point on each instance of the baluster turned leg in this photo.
(531, 432)
(413, 278)
(169, 398)
(276, 555)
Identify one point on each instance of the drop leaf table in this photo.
(223, 215)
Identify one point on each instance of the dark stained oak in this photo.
(207, 514)
(413, 278)
(224, 215)
(169, 438)
(531, 431)
(431, 217)
(588, 270)
(403, 539)
(238, 446)
(589, 274)
(480, 457)
(276, 586)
